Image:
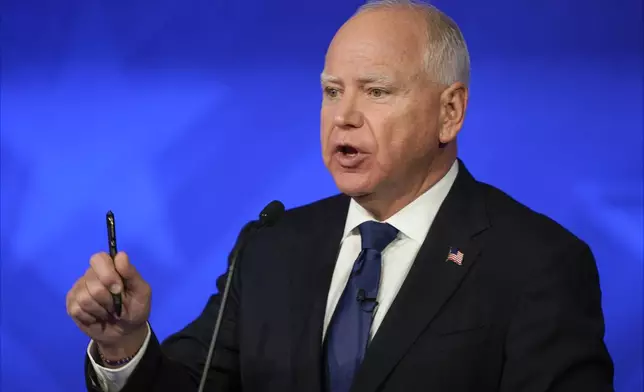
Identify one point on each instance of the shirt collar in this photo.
(407, 219)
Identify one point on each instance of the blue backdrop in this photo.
(186, 117)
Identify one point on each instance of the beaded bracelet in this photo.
(119, 362)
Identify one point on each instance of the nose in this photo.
(347, 115)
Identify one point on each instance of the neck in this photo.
(384, 205)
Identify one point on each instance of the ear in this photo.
(453, 105)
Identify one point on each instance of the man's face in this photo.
(380, 112)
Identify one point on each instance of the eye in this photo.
(331, 92)
(377, 92)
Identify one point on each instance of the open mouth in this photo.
(349, 157)
(346, 149)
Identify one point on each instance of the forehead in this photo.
(389, 42)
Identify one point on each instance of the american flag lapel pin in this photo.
(455, 256)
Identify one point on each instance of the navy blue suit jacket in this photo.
(521, 314)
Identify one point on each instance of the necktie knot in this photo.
(376, 235)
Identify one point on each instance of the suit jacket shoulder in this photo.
(317, 220)
(525, 228)
(317, 211)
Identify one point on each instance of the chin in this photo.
(353, 184)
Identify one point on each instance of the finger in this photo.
(91, 306)
(81, 316)
(103, 266)
(98, 291)
(71, 294)
(127, 271)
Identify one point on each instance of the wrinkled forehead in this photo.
(378, 42)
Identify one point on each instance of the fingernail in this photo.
(115, 289)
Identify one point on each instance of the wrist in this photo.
(122, 352)
(113, 363)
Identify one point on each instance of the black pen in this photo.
(111, 240)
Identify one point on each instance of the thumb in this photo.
(130, 275)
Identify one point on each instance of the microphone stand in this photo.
(267, 217)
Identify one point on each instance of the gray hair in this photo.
(446, 58)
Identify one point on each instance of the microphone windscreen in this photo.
(271, 213)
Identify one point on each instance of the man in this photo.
(416, 278)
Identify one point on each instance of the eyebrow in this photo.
(326, 78)
(374, 78)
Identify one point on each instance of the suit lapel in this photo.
(430, 283)
(312, 262)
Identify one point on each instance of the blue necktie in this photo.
(348, 332)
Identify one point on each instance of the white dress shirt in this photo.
(413, 223)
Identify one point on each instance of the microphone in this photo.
(367, 302)
(271, 213)
(269, 216)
